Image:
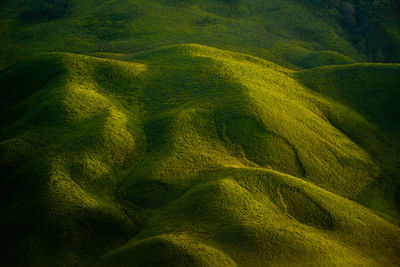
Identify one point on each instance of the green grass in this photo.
(293, 33)
(370, 88)
(324, 58)
(257, 27)
(191, 155)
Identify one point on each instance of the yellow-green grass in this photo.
(324, 58)
(284, 35)
(193, 156)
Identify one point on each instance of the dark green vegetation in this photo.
(286, 32)
(188, 155)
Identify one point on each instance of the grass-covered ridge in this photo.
(292, 33)
(201, 156)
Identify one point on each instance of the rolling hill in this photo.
(121, 145)
(199, 155)
(292, 33)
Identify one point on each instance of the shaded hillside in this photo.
(373, 25)
(292, 33)
(194, 156)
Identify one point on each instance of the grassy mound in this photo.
(196, 156)
(172, 250)
(324, 58)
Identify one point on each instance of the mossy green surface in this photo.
(189, 155)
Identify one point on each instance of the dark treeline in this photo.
(368, 23)
(44, 9)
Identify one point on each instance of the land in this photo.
(199, 133)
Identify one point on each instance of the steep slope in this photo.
(292, 33)
(190, 155)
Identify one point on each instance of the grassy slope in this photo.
(200, 156)
(287, 34)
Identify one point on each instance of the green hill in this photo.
(193, 156)
(200, 133)
(286, 32)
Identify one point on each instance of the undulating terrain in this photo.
(200, 133)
